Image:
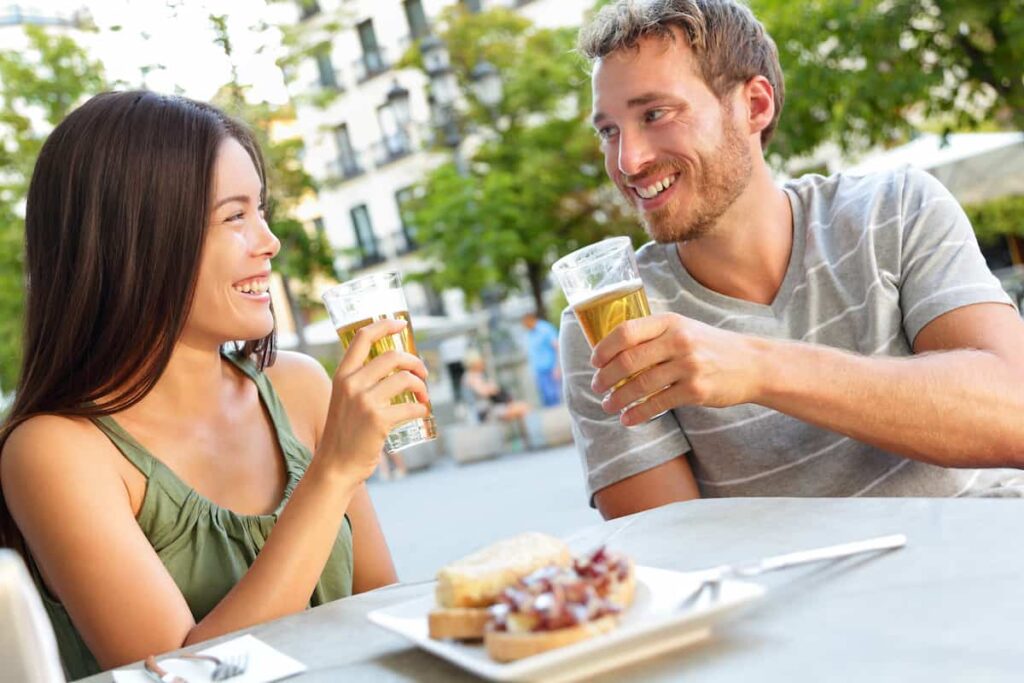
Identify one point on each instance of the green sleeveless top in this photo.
(205, 547)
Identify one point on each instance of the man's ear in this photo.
(758, 96)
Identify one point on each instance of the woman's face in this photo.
(232, 299)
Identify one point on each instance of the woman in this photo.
(490, 400)
(145, 468)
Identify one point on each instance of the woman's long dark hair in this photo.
(115, 221)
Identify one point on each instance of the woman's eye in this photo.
(236, 216)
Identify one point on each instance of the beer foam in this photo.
(364, 305)
(627, 286)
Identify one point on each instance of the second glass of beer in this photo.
(603, 287)
(357, 303)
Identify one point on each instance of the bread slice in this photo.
(478, 579)
(504, 646)
(460, 623)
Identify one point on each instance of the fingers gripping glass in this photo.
(357, 303)
(603, 287)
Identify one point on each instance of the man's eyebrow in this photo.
(633, 102)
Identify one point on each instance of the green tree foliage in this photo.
(304, 254)
(535, 186)
(38, 87)
(869, 72)
(997, 218)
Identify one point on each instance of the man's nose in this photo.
(634, 153)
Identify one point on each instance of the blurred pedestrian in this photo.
(542, 352)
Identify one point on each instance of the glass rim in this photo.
(391, 279)
(591, 254)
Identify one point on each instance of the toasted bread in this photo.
(460, 623)
(478, 579)
(503, 646)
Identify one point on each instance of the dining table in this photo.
(948, 606)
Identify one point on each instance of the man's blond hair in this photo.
(730, 45)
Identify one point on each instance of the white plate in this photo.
(653, 624)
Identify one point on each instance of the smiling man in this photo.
(835, 336)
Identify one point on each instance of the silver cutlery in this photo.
(712, 578)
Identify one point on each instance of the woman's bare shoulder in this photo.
(304, 388)
(47, 446)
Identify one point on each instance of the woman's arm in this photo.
(305, 391)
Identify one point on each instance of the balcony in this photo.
(391, 148)
(329, 81)
(400, 243)
(367, 259)
(345, 168)
(371, 64)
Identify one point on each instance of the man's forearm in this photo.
(959, 408)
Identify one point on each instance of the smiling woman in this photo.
(164, 484)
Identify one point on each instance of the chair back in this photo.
(28, 648)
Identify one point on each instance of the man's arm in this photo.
(669, 482)
(957, 403)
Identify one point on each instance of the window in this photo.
(372, 59)
(308, 8)
(365, 238)
(403, 198)
(325, 69)
(348, 162)
(472, 6)
(418, 26)
(319, 228)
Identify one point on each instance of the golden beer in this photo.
(607, 309)
(400, 341)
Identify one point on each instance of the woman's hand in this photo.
(361, 414)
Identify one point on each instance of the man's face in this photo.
(671, 147)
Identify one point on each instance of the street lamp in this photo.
(444, 88)
(398, 100)
(487, 84)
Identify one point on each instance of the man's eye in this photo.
(607, 132)
(653, 115)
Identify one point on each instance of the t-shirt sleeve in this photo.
(610, 452)
(941, 265)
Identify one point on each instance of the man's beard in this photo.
(722, 178)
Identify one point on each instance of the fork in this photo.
(713, 577)
(228, 667)
(223, 668)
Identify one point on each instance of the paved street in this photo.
(436, 515)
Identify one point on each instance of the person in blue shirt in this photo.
(542, 352)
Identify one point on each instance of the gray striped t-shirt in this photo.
(874, 260)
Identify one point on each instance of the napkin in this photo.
(265, 664)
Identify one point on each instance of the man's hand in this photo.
(676, 361)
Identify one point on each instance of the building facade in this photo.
(365, 152)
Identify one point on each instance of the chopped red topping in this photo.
(556, 597)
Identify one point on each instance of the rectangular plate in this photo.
(653, 624)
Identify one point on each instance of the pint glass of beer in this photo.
(603, 286)
(357, 303)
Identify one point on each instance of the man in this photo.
(542, 352)
(836, 336)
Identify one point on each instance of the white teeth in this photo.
(259, 287)
(655, 189)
